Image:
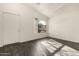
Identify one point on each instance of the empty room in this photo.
(39, 29)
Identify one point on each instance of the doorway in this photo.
(11, 28)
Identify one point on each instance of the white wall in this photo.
(27, 20)
(65, 23)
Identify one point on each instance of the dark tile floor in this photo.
(40, 47)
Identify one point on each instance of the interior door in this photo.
(11, 27)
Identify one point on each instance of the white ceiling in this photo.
(50, 9)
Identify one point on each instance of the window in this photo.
(40, 25)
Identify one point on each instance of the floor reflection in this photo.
(42, 47)
(51, 46)
(67, 51)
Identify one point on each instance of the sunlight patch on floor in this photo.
(67, 51)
